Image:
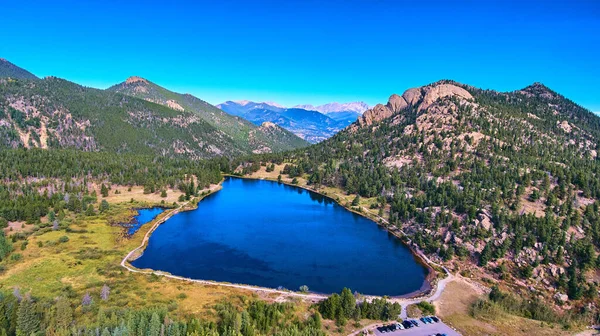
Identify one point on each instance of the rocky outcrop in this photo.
(135, 79)
(396, 103)
(412, 96)
(441, 91)
(377, 113)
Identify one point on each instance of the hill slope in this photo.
(502, 185)
(7, 69)
(55, 113)
(245, 135)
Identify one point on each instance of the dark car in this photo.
(407, 324)
(435, 319)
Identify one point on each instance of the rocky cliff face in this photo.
(419, 98)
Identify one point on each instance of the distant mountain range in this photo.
(313, 124)
(136, 116)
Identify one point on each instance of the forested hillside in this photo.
(55, 113)
(245, 135)
(501, 185)
(8, 69)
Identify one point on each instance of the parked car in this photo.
(435, 319)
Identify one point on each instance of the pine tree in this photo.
(348, 303)
(486, 254)
(104, 190)
(154, 329)
(142, 326)
(104, 206)
(64, 313)
(90, 210)
(27, 320)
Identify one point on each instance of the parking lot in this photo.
(422, 330)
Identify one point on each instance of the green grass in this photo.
(91, 258)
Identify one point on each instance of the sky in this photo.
(309, 52)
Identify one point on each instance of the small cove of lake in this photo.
(144, 216)
(273, 235)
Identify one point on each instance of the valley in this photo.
(478, 205)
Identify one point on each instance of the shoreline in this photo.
(132, 220)
(428, 290)
(429, 285)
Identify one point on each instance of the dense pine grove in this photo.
(37, 181)
(21, 314)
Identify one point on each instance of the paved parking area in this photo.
(422, 330)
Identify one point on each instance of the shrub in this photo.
(16, 257)
(426, 307)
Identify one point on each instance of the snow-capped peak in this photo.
(358, 107)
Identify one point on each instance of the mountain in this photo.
(245, 135)
(358, 107)
(503, 186)
(55, 113)
(310, 125)
(8, 69)
(341, 112)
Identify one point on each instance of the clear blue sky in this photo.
(309, 51)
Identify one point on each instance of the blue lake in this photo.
(144, 216)
(269, 234)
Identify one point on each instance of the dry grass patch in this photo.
(137, 193)
(454, 306)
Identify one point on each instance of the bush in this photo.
(63, 239)
(16, 257)
(426, 307)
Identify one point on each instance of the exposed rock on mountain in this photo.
(377, 113)
(441, 91)
(396, 103)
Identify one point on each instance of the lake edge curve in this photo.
(428, 287)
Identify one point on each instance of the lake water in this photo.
(269, 234)
(144, 216)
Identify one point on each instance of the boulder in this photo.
(412, 96)
(561, 297)
(484, 220)
(377, 113)
(396, 103)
